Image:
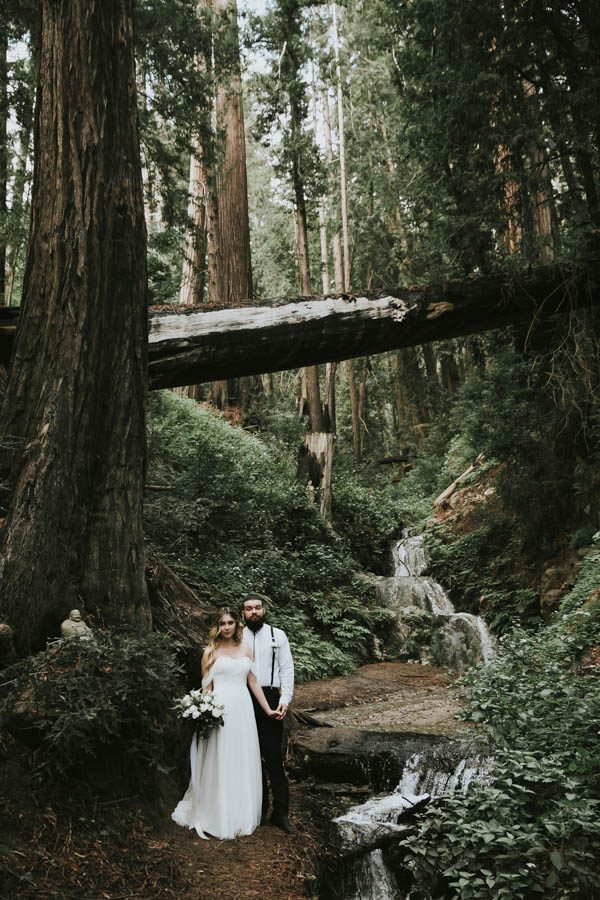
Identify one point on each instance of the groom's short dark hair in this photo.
(262, 597)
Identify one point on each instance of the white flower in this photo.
(204, 707)
(216, 713)
(195, 713)
(186, 701)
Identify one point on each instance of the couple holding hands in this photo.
(227, 795)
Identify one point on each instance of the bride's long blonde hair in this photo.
(214, 635)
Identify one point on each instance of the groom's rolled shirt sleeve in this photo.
(286, 671)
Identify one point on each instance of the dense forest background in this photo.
(297, 148)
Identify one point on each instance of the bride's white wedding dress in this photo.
(224, 797)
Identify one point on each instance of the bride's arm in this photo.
(258, 691)
(209, 685)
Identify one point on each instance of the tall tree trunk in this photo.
(232, 185)
(322, 208)
(545, 220)
(349, 364)
(336, 241)
(316, 455)
(194, 265)
(18, 225)
(232, 179)
(342, 151)
(3, 156)
(74, 412)
(193, 273)
(330, 368)
(191, 290)
(512, 237)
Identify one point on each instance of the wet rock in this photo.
(351, 754)
(550, 601)
(459, 642)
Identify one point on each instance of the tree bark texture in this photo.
(3, 157)
(191, 292)
(232, 183)
(18, 219)
(232, 179)
(74, 414)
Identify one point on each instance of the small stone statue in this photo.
(74, 626)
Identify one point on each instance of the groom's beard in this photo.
(255, 624)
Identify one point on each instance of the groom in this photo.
(275, 673)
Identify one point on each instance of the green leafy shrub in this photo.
(367, 519)
(82, 700)
(532, 832)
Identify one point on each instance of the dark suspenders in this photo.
(273, 651)
(273, 657)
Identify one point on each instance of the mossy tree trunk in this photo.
(72, 427)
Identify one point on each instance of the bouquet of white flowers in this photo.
(202, 710)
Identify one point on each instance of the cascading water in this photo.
(373, 879)
(424, 778)
(459, 639)
(368, 825)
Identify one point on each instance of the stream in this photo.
(448, 638)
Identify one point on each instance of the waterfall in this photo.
(374, 881)
(458, 639)
(425, 777)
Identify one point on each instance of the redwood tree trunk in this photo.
(232, 180)
(191, 292)
(74, 413)
(232, 186)
(3, 158)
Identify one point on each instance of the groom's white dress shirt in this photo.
(261, 644)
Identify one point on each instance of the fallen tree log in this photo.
(444, 497)
(201, 345)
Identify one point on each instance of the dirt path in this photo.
(385, 697)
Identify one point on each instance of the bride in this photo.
(224, 797)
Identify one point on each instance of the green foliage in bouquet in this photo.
(201, 710)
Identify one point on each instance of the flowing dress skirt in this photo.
(224, 796)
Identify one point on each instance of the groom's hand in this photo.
(281, 711)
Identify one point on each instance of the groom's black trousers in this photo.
(270, 737)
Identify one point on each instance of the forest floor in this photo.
(57, 847)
